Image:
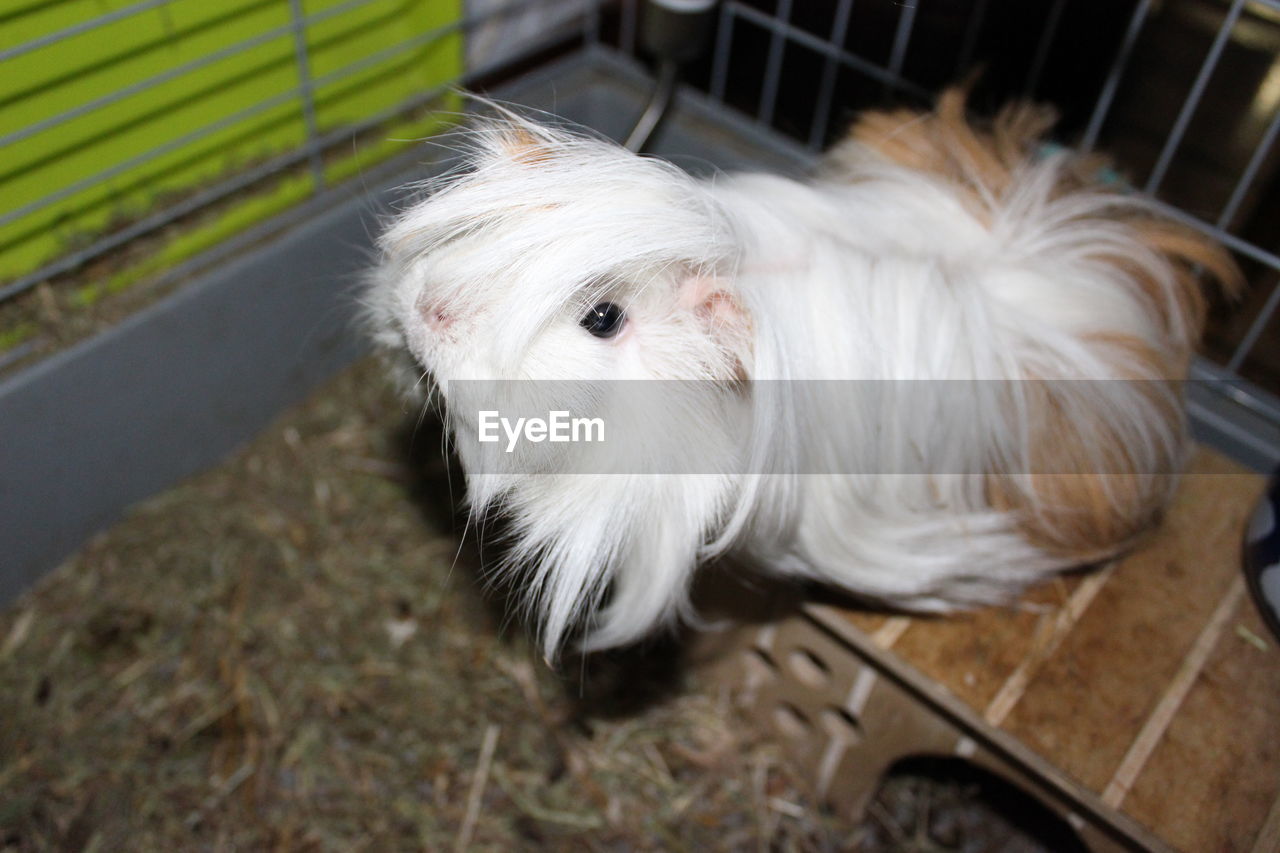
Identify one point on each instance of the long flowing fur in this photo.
(1049, 312)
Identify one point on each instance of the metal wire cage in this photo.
(102, 150)
(135, 136)
(1184, 95)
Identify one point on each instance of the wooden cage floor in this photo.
(1152, 682)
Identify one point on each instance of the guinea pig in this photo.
(939, 369)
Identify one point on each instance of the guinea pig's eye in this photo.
(604, 320)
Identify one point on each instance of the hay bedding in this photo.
(277, 655)
(290, 653)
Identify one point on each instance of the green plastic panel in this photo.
(358, 64)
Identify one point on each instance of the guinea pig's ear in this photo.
(723, 318)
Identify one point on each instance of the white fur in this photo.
(882, 274)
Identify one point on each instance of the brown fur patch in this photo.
(985, 163)
(982, 163)
(523, 147)
(1085, 496)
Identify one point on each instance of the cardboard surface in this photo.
(1152, 683)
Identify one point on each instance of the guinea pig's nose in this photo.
(433, 314)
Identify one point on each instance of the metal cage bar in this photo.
(1044, 45)
(1103, 105)
(773, 66)
(1255, 330)
(827, 88)
(312, 150)
(175, 73)
(627, 27)
(80, 28)
(142, 159)
(902, 38)
(735, 9)
(971, 31)
(306, 90)
(783, 34)
(720, 60)
(1250, 172)
(1193, 98)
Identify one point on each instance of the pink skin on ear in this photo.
(707, 297)
(721, 314)
(433, 314)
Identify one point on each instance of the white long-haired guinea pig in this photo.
(924, 249)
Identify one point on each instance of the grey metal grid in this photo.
(784, 33)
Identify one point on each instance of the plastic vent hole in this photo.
(809, 669)
(759, 667)
(840, 725)
(791, 721)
